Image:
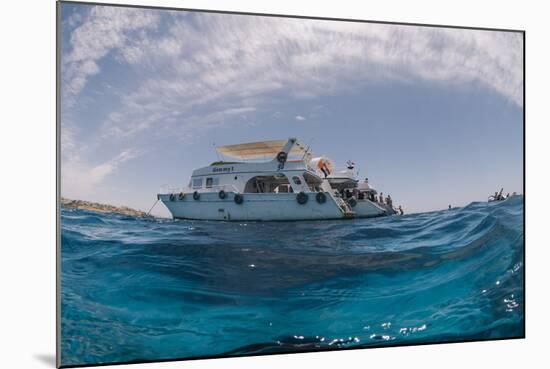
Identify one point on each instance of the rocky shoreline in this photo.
(101, 208)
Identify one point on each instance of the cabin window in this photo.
(267, 184)
(212, 182)
(297, 180)
(197, 183)
(284, 188)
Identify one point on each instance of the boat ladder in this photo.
(345, 208)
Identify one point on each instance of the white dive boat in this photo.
(290, 185)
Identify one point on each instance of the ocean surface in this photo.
(136, 289)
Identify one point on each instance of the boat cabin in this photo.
(248, 173)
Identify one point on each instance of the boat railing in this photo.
(224, 187)
(165, 189)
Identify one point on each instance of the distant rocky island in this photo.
(101, 208)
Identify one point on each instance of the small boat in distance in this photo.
(273, 181)
(498, 196)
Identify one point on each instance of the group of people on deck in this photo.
(369, 195)
(388, 200)
(365, 192)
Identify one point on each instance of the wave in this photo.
(151, 289)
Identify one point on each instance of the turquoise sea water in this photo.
(136, 289)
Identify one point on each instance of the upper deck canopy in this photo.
(258, 150)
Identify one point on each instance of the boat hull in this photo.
(255, 207)
(369, 209)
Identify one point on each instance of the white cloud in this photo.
(241, 110)
(104, 29)
(98, 173)
(81, 179)
(222, 61)
(73, 20)
(299, 117)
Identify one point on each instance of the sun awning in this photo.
(258, 150)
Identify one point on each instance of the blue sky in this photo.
(432, 116)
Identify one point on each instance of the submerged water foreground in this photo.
(137, 289)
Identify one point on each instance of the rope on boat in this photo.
(149, 212)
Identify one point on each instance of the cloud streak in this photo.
(81, 178)
(223, 61)
(219, 62)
